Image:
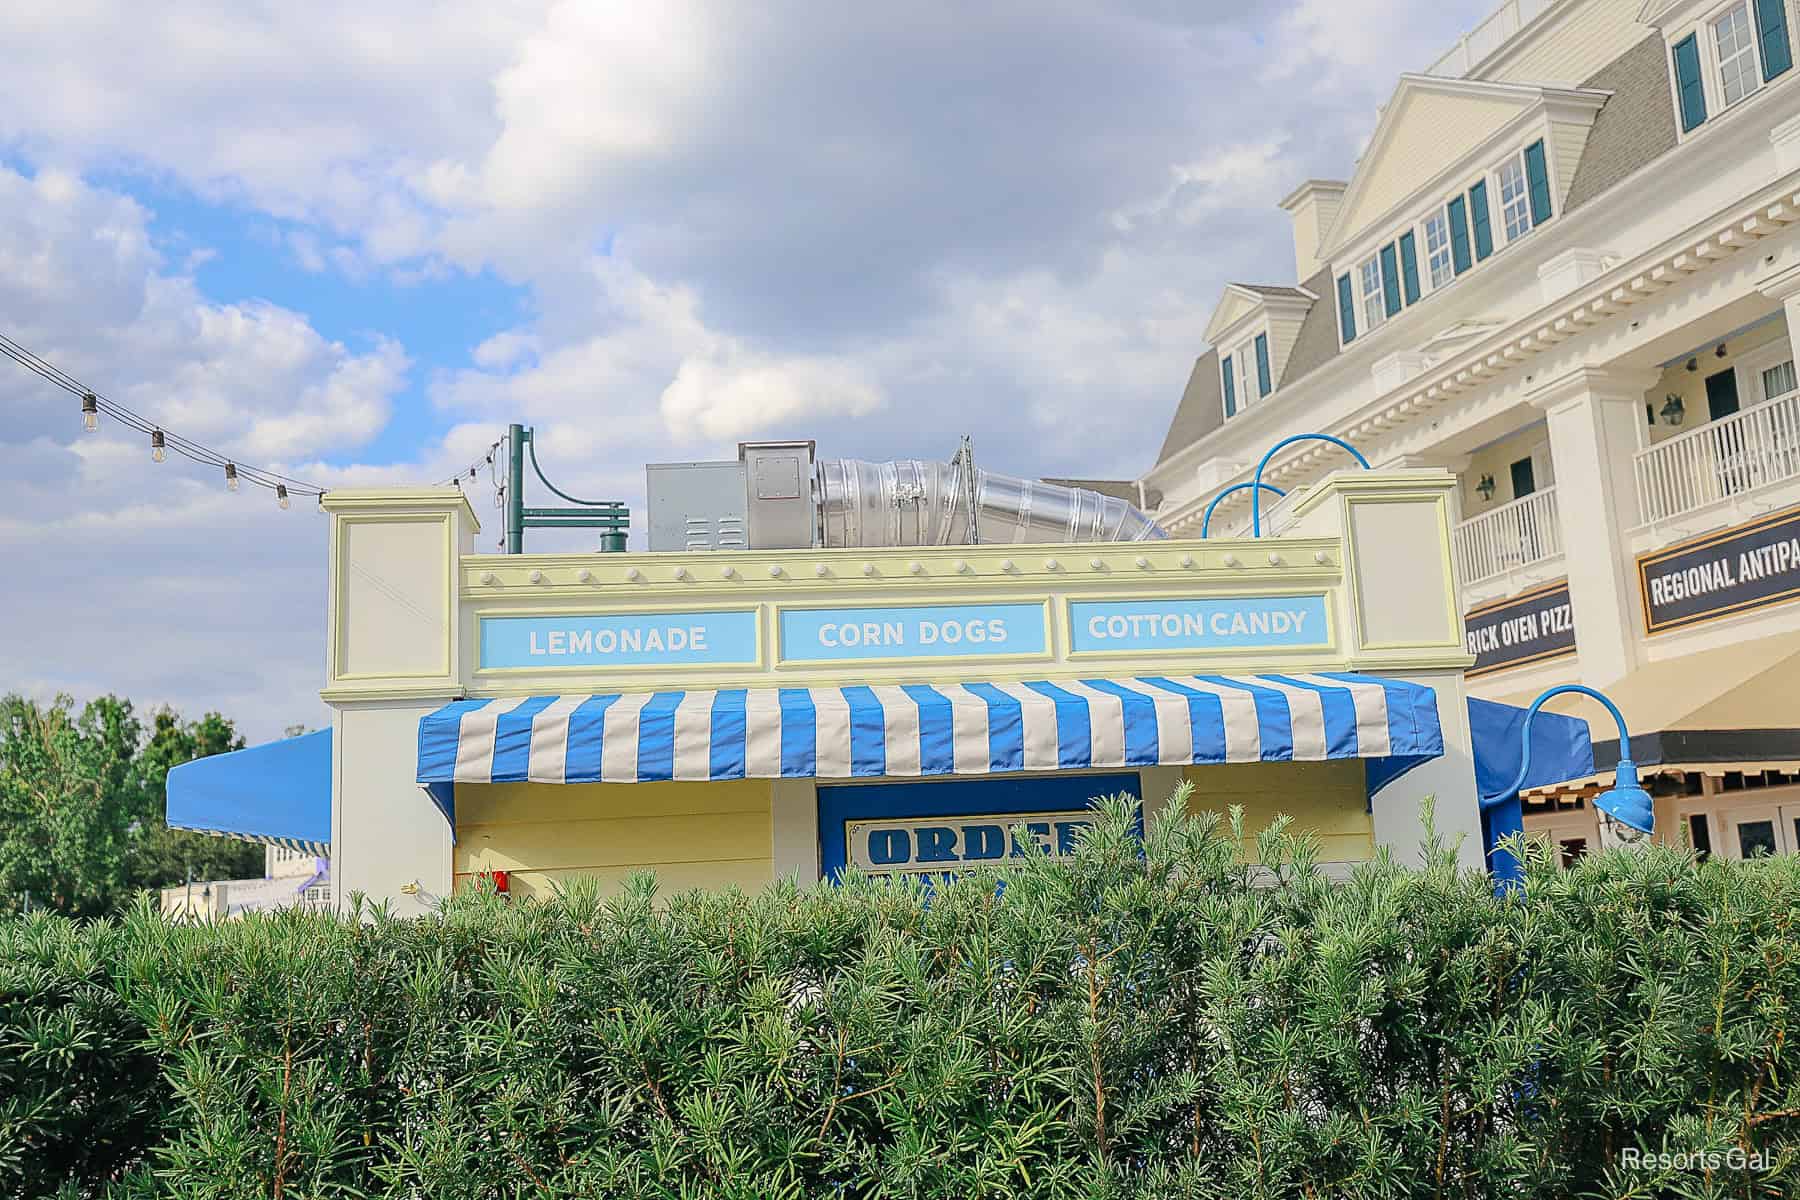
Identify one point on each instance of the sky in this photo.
(351, 242)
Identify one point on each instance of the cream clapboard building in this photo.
(1566, 268)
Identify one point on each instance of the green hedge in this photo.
(1145, 1020)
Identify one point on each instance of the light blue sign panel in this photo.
(619, 639)
(1234, 623)
(925, 631)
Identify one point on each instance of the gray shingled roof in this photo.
(1270, 289)
(1317, 342)
(1636, 126)
(1201, 409)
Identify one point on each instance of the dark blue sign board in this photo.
(1722, 573)
(1532, 627)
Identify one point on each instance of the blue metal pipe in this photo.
(1256, 496)
(1206, 518)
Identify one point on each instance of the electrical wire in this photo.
(95, 405)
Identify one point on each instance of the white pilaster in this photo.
(1595, 417)
(1784, 286)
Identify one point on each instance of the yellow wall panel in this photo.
(1328, 799)
(750, 874)
(689, 834)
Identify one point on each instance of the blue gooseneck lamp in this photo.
(1206, 517)
(1625, 802)
(1258, 484)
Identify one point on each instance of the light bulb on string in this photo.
(231, 477)
(281, 496)
(90, 412)
(158, 449)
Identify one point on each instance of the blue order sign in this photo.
(918, 631)
(1228, 623)
(619, 639)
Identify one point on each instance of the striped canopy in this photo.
(919, 729)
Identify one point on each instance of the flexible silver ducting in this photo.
(910, 502)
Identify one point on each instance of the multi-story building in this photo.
(1566, 267)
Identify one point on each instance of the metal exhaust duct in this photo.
(910, 502)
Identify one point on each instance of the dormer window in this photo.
(1374, 301)
(1515, 198)
(1437, 249)
(1244, 374)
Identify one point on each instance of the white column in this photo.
(1596, 419)
(1448, 782)
(1784, 286)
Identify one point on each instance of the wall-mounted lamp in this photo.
(1625, 803)
(1693, 364)
(1720, 352)
(1486, 487)
(1674, 410)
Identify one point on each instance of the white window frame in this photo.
(1714, 69)
(1428, 281)
(1497, 222)
(1750, 367)
(1366, 269)
(1242, 356)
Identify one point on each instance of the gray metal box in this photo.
(696, 505)
(779, 476)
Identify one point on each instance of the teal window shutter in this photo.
(1537, 182)
(1262, 364)
(1771, 22)
(1484, 221)
(1230, 390)
(1459, 235)
(1688, 86)
(1409, 266)
(1390, 280)
(1346, 313)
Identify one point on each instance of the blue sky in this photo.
(354, 241)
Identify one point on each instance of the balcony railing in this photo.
(1719, 460)
(1509, 538)
(1487, 37)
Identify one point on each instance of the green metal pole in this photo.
(516, 436)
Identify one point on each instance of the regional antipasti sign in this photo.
(1523, 629)
(1722, 573)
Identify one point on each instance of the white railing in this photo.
(1487, 37)
(1509, 538)
(1719, 460)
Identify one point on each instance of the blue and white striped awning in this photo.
(918, 729)
(278, 794)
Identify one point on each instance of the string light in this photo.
(94, 406)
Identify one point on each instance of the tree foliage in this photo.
(82, 805)
(1149, 1019)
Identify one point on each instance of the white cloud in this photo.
(741, 395)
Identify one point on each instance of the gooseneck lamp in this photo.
(1257, 483)
(1625, 802)
(1206, 517)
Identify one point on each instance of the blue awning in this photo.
(278, 793)
(1560, 749)
(918, 730)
